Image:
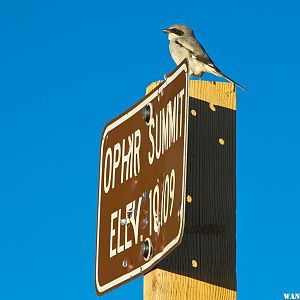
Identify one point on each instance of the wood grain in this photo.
(164, 285)
(217, 93)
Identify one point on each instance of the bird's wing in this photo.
(196, 50)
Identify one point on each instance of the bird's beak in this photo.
(166, 30)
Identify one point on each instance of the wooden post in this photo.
(203, 266)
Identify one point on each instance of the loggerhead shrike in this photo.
(183, 44)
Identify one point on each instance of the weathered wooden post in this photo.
(203, 266)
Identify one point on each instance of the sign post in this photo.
(142, 183)
(203, 266)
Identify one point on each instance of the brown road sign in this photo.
(142, 183)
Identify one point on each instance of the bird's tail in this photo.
(221, 74)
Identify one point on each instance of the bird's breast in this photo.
(178, 52)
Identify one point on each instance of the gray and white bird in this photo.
(183, 44)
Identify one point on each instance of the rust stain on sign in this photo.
(142, 183)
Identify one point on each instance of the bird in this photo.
(183, 44)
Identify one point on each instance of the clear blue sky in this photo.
(68, 67)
